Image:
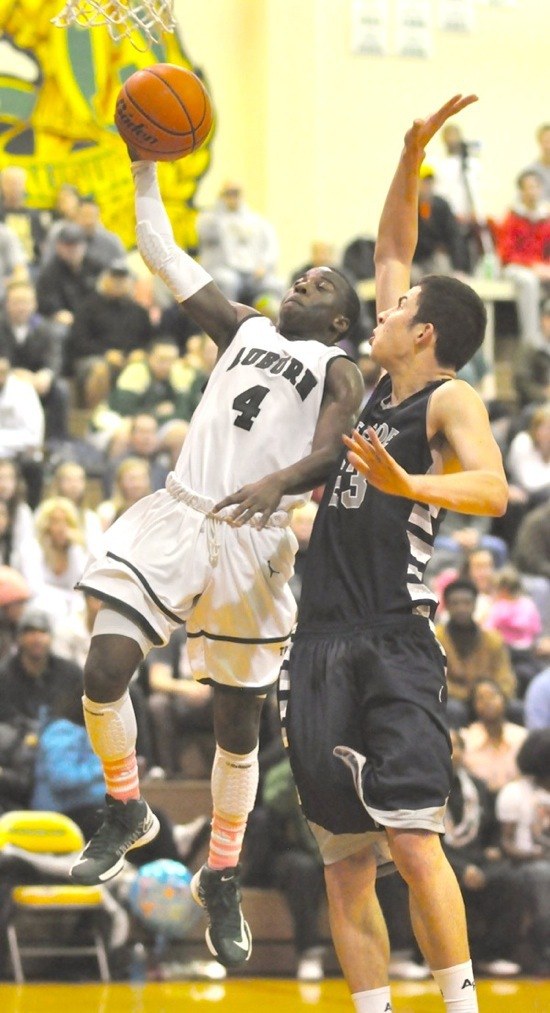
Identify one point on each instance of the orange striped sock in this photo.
(121, 777)
(226, 840)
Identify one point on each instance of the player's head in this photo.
(458, 317)
(322, 304)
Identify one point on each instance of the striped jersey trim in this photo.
(239, 640)
(145, 584)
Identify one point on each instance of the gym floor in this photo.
(247, 995)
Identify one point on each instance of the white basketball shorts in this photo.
(167, 562)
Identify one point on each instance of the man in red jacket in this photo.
(524, 249)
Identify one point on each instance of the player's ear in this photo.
(340, 323)
(425, 335)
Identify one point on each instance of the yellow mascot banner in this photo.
(58, 88)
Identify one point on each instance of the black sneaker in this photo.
(126, 825)
(228, 935)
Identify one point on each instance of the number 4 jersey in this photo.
(258, 413)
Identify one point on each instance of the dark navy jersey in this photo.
(368, 551)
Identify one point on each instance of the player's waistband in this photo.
(205, 505)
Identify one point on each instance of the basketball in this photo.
(163, 112)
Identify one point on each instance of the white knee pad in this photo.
(111, 727)
(234, 783)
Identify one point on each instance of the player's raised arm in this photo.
(186, 279)
(398, 227)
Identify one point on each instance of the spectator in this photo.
(515, 616)
(486, 879)
(179, 707)
(541, 165)
(109, 324)
(22, 428)
(102, 246)
(439, 248)
(491, 743)
(23, 556)
(239, 248)
(132, 482)
(280, 852)
(63, 556)
(65, 281)
(140, 440)
(69, 481)
(471, 652)
(15, 593)
(532, 367)
(33, 677)
(28, 224)
(64, 212)
(30, 342)
(532, 548)
(458, 181)
(528, 458)
(523, 808)
(524, 249)
(14, 494)
(13, 263)
(161, 385)
(537, 701)
(479, 567)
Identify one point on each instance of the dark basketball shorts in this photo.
(363, 713)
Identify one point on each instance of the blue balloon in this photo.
(160, 897)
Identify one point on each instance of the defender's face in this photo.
(313, 302)
(392, 337)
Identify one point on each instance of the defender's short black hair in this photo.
(457, 314)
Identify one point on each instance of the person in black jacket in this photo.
(440, 246)
(108, 325)
(30, 342)
(65, 280)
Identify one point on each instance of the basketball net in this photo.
(122, 17)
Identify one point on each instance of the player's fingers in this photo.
(358, 463)
(235, 497)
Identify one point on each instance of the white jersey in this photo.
(258, 413)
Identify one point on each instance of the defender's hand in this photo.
(261, 497)
(378, 467)
(422, 131)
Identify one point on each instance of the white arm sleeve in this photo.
(155, 238)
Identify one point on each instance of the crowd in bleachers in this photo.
(100, 373)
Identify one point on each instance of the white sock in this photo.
(457, 985)
(376, 1000)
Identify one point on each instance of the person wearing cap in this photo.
(14, 595)
(239, 248)
(108, 325)
(440, 248)
(32, 677)
(65, 280)
(101, 244)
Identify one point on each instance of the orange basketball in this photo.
(163, 112)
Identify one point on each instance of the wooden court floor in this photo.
(251, 995)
